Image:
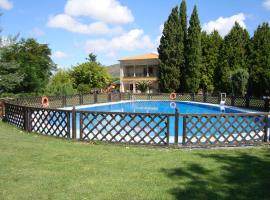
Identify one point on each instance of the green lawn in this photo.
(39, 167)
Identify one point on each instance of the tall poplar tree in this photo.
(194, 53)
(183, 21)
(234, 55)
(259, 83)
(171, 53)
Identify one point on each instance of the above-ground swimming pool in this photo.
(161, 107)
(199, 119)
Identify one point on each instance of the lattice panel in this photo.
(240, 101)
(159, 96)
(228, 102)
(73, 100)
(88, 98)
(256, 103)
(183, 97)
(140, 97)
(29, 101)
(115, 97)
(212, 99)
(15, 115)
(51, 122)
(125, 128)
(102, 98)
(56, 101)
(125, 96)
(198, 98)
(224, 129)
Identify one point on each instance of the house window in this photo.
(131, 87)
(145, 71)
(150, 71)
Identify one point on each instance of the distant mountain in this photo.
(114, 70)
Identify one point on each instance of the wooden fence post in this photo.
(176, 127)
(219, 98)
(64, 101)
(27, 119)
(74, 123)
(266, 104)
(204, 97)
(232, 100)
(2, 109)
(81, 99)
(168, 131)
(266, 128)
(95, 97)
(81, 123)
(120, 96)
(192, 97)
(109, 97)
(247, 99)
(68, 124)
(184, 131)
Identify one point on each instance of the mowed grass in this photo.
(40, 167)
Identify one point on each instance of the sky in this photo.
(113, 29)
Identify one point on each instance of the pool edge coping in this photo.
(127, 101)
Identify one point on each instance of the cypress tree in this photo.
(183, 21)
(259, 83)
(210, 53)
(234, 55)
(171, 53)
(193, 53)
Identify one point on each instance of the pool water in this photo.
(161, 107)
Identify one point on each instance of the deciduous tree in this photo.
(34, 62)
(60, 84)
(89, 75)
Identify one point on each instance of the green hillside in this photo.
(114, 70)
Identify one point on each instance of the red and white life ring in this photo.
(173, 96)
(45, 102)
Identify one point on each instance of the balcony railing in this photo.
(140, 75)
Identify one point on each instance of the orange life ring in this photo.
(173, 96)
(45, 102)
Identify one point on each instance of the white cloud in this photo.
(266, 4)
(161, 27)
(6, 41)
(132, 40)
(6, 4)
(108, 11)
(59, 55)
(224, 24)
(37, 32)
(69, 23)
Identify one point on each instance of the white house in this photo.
(139, 68)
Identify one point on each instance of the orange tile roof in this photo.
(142, 57)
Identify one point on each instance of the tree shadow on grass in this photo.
(236, 176)
(192, 182)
